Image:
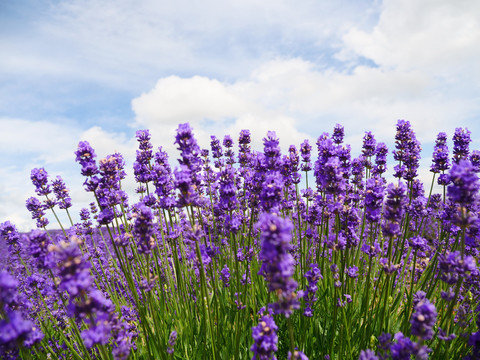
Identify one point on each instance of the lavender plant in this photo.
(230, 255)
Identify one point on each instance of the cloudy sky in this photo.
(99, 70)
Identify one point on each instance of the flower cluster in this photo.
(231, 231)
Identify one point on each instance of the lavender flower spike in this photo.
(423, 319)
(266, 339)
(278, 265)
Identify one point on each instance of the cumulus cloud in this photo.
(212, 108)
(428, 35)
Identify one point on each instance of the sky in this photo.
(98, 70)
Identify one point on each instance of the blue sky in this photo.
(98, 70)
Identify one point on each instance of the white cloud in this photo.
(212, 108)
(175, 100)
(44, 141)
(434, 36)
(126, 44)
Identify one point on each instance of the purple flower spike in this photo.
(453, 266)
(189, 152)
(305, 152)
(380, 160)
(475, 160)
(403, 348)
(465, 184)
(85, 156)
(440, 160)
(373, 199)
(225, 276)
(39, 179)
(407, 151)
(313, 276)
(369, 144)
(461, 142)
(367, 355)
(9, 233)
(36, 209)
(143, 229)
(172, 339)
(266, 339)
(61, 193)
(244, 153)
(297, 355)
(272, 152)
(338, 134)
(278, 265)
(394, 208)
(423, 319)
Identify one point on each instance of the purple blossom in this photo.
(272, 152)
(338, 134)
(9, 233)
(394, 209)
(453, 266)
(39, 179)
(189, 153)
(403, 348)
(418, 243)
(305, 152)
(371, 250)
(228, 199)
(465, 184)
(38, 248)
(184, 182)
(244, 153)
(265, 339)
(407, 151)
(85, 156)
(297, 355)
(229, 154)
(272, 191)
(352, 272)
(143, 229)
(367, 355)
(36, 209)
(440, 158)
(368, 147)
(163, 180)
(461, 142)
(380, 160)
(330, 177)
(61, 193)
(423, 319)
(374, 193)
(225, 276)
(313, 276)
(74, 273)
(217, 151)
(141, 166)
(278, 265)
(15, 330)
(98, 333)
(475, 160)
(172, 339)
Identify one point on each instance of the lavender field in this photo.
(239, 254)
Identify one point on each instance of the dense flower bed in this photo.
(238, 255)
